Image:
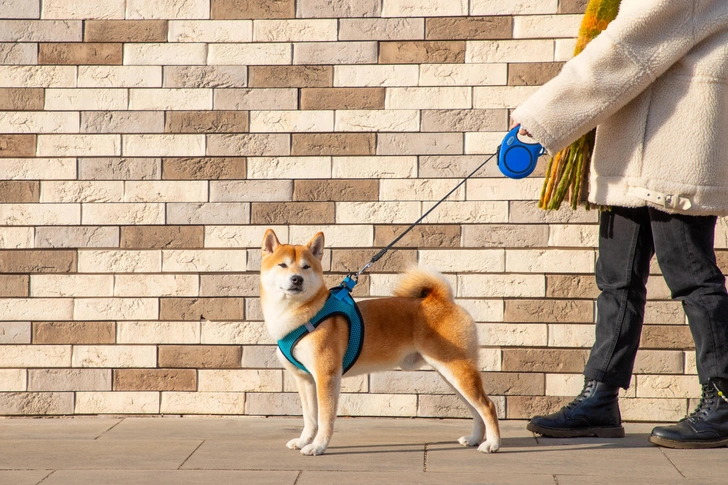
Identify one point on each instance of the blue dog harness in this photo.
(341, 303)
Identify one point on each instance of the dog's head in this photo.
(291, 272)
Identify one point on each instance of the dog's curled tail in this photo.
(423, 283)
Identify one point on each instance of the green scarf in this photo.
(568, 170)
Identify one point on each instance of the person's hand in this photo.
(522, 131)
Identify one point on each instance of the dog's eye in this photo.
(283, 265)
(305, 266)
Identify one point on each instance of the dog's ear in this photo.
(270, 242)
(316, 245)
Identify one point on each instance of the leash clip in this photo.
(343, 291)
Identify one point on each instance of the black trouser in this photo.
(628, 238)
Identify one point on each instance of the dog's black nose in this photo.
(297, 280)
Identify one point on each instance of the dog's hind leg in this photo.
(307, 393)
(462, 375)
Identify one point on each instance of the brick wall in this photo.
(147, 144)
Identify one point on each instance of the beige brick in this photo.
(463, 75)
(69, 379)
(421, 236)
(422, 52)
(500, 97)
(567, 385)
(564, 50)
(380, 167)
(335, 53)
(38, 122)
(468, 212)
(250, 54)
(38, 169)
(119, 261)
(35, 355)
(551, 261)
(542, 360)
(156, 285)
(573, 235)
(391, 405)
(71, 285)
(500, 286)
(291, 121)
(338, 8)
(343, 260)
(449, 406)
(205, 76)
(378, 120)
(549, 311)
(376, 212)
(202, 168)
(71, 191)
(546, 26)
(125, 30)
(382, 29)
(511, 51)
(155, 380)
(652, 410)
(336, 235)
(17, 54)
(147, 191)
(420, 189)
(203, 403)
(41, 30)
(114, 356)
(244, 333)
(74, 333)
(21, 99)
(117, 403)
(208, 260)
(494, 27)
(211, 213)
(167, 9)
(229, 285)
(158, 333)
(16, 238)
(170, 99)
(163, 145)
(249, 145)
(167, 237)
(20, 9)
(117, 308)
(420, 382)
(37, 76)
(484, 143)
(691, 366)
(119, 77)
(525, 407)
(375, 76)
(162, 54)
(300, 30)
(114, 214)
(489, 360)
(256, 99)
(24, 309)
(258, 190)
(240, 381)
(252, 9)
(86, 99)
(464, 261)
(670, 313)
(512, 335)
(122, 122)
(668, 387)
(434, 8)
(241, 236)
(499, 236)
(528, 212)
(41, 215)
(36, 403)
(78, 145)
(13, 380)
(284, 168)
(14, 332)
(333, 144)
(119, 168)
(571, 336)
(496, 7)
(102, 9)
(211, 31)
(419, 143)
(384, 284)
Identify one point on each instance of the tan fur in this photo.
(421, 323)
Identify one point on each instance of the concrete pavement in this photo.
(221, 451)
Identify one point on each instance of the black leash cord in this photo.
(381, 253)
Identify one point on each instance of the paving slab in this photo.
(23, 477)
(167, 477)
(710, 464)
(421, 478)
(55, 428)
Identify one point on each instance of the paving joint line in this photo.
(190, 456)
(298, 477)
(662, 450)
(114, 426)
(46, 477)
(424, 464)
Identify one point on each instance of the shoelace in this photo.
(588, 387)
(707, 401)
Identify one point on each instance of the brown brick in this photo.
(340, 144)
(14, 285)
(200, 356)
(667, 337)
(422, 52)
(336, 190)
(496, 27)
(721, 258)
(525, 211)
(444, 120)
(17, 146)
(513, 384)
(203, 168)
(526, 407)
(166, 237)
(252, 9)
(292, 213)
(201, 308)
(74, 332)
(422, 236)
(19, 191)
(155, 380)
(37, 261)
(80, 53)
(571, 286)
(533, 74)
(126, 31)
(572, 6)
(505, 236)
(22, 99)
(206, 122)
(543, 360)
(342, 98)
(290, 76)
(346, 260)
(538, 311)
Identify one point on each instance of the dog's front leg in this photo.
(307, 393)
(327, 389)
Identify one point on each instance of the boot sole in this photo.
(609, 432)
(687, 445)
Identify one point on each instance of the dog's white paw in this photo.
(314, 449)
(489, 446)
(469, 441)
(298, 443)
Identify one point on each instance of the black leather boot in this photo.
(594, 412)
(707, 427)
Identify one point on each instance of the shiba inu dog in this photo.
(420, 324)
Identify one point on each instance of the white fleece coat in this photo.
(656, 84)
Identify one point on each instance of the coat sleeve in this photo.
(643, 41)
